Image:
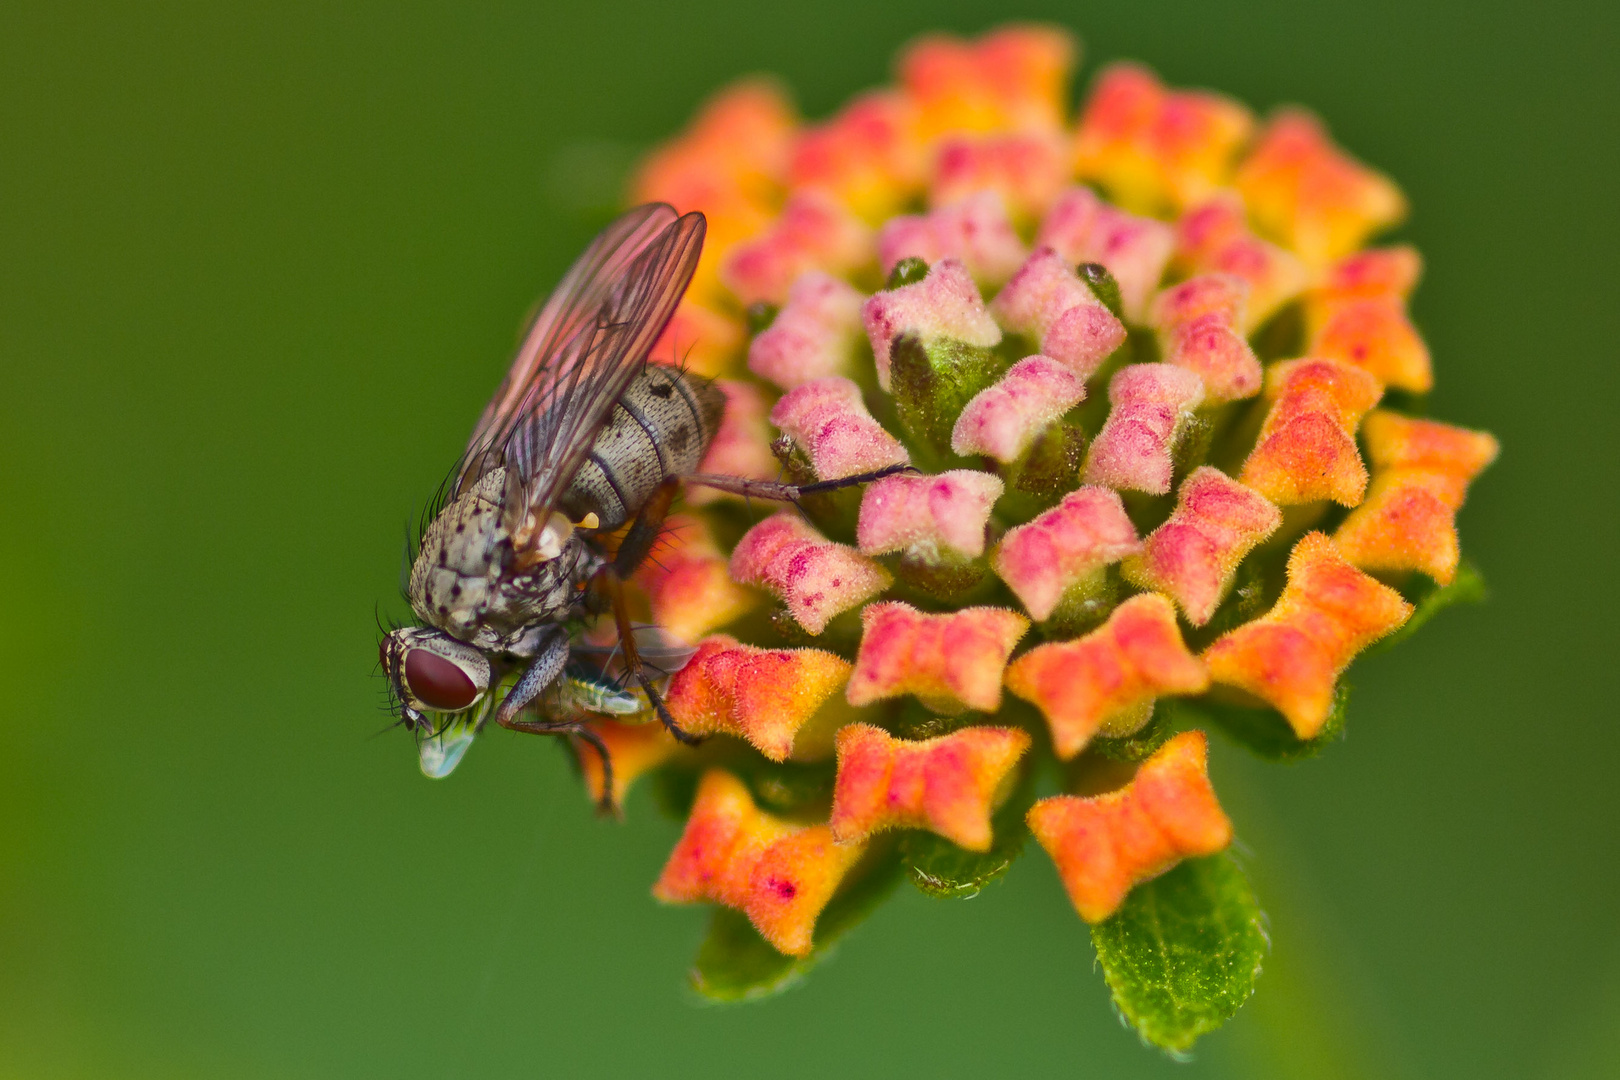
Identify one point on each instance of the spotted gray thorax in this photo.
(462, 584)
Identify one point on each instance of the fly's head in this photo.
(431, 672)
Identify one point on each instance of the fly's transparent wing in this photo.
(570, 398)
(560, 358)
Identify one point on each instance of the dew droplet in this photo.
(441, 753)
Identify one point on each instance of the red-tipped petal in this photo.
(815, 578)
(1047, 301)
(944, 306)
(1193, 556)
(827, 419)
(1004, 418)
(1151, 406)
(927, 516)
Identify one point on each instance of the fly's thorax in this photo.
(465, 581)
(461, 557)
(659, 428)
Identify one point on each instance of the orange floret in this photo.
(1154, 148)
(950, 662)
(1015, 78)
(688, 584)
(699, 339)
(762, 695)
(1359, 315)
(868, 155)
(728, 163)
(635, 749)
(946, 784)
(1309, 195)
(1108, 680)
(1422, 470)
(779, 875)
(1307, 446)
(1105, 845)
(1292, 656)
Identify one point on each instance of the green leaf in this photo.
(940, 868)
(735, 964)
(1264, 730)
(1183, 952)
(1430, 598)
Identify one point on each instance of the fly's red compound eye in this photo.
(438, 683)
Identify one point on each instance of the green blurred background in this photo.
(261, 265)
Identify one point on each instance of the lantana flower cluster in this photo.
(1162, 404)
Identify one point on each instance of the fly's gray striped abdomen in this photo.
(659, 429)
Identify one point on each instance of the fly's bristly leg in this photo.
(547, 664)
(644, 531)
(779, 492)
(610, 582)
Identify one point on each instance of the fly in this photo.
(585, 440)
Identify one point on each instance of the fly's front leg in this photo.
(632, 659)
(547, 664)
(778, 492)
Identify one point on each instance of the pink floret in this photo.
(1151, 404)
(926, 516)
(827, 419)
(1200, 328)
(1215, 238)
(1004, 418)
(813, 336)
(1072, 541)
(1219, 294)
(1027, 169)
(1082, 228)
(814, 231)
(815, 578)
(975, 231)
(945, 305)
(1047, 300)
(1193, 555)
